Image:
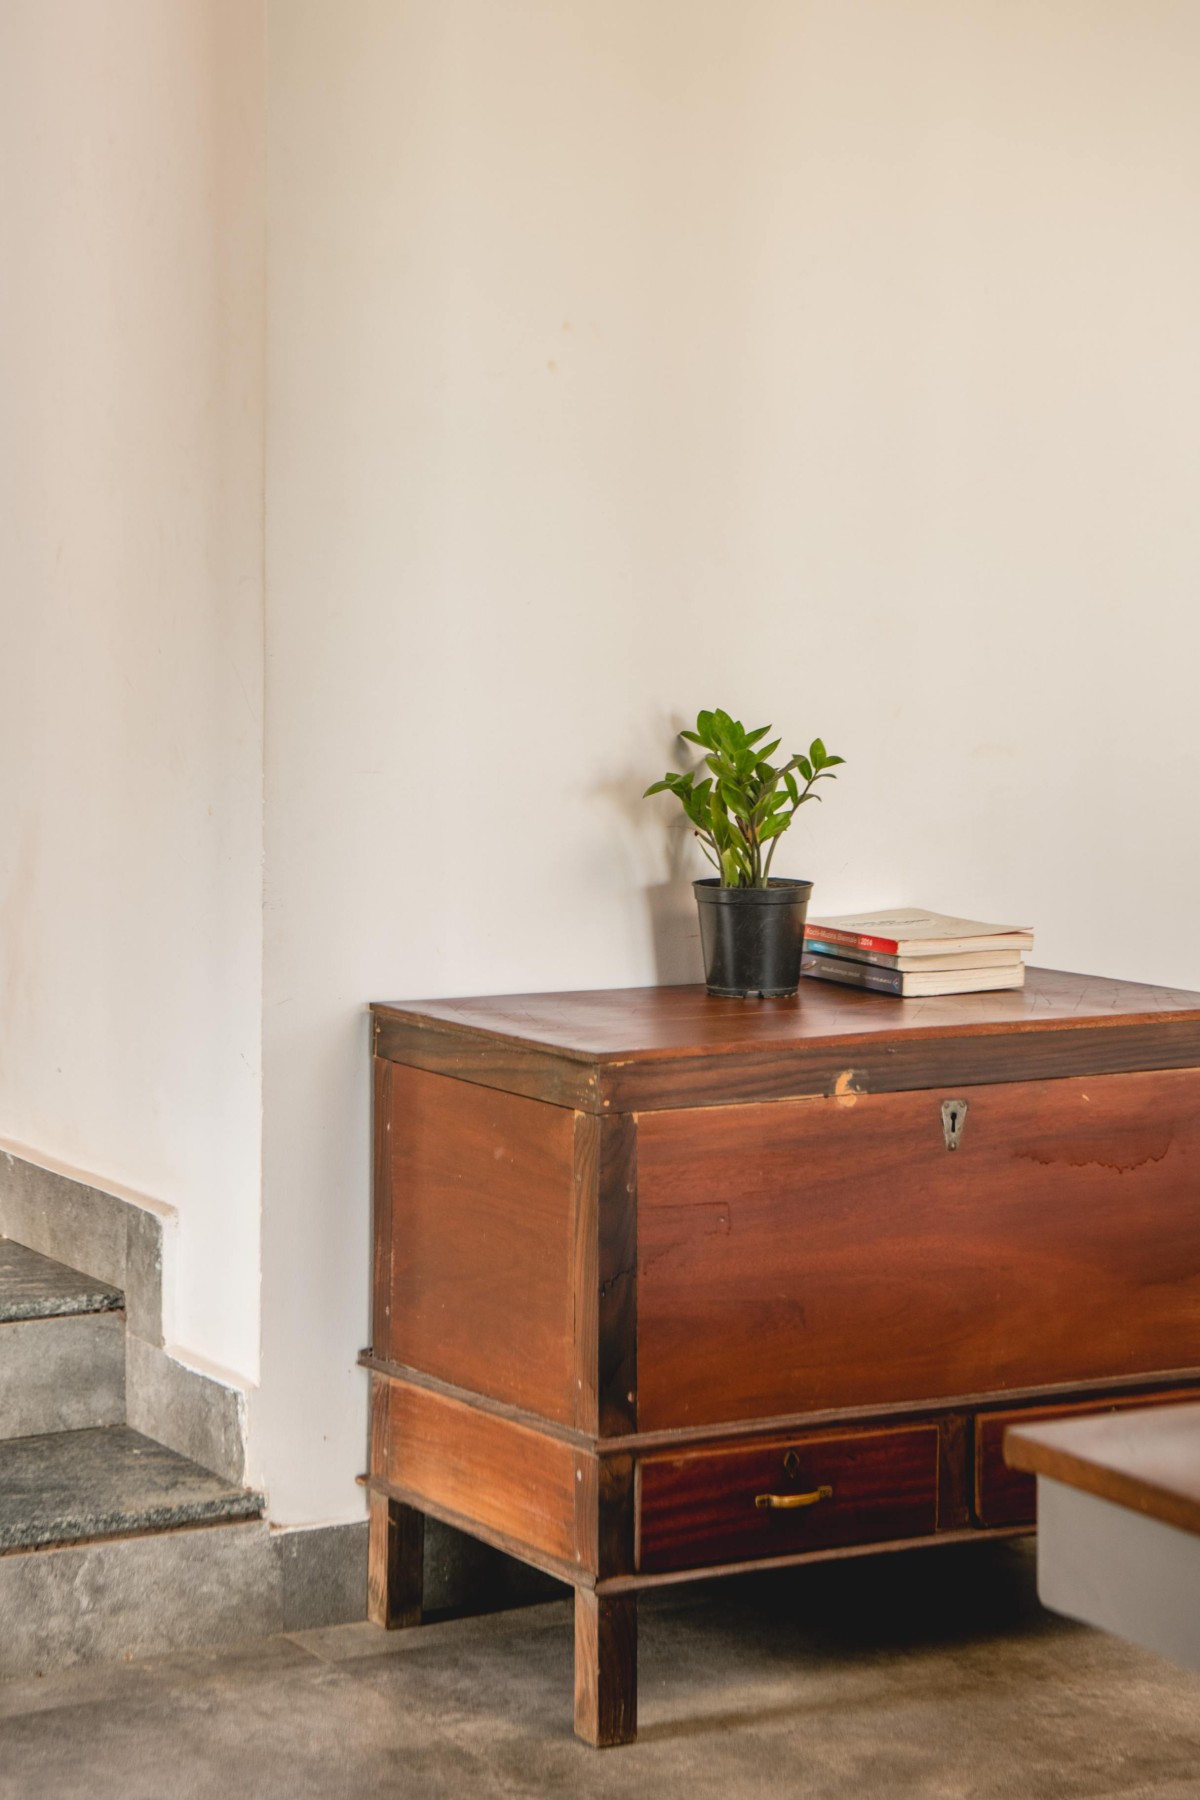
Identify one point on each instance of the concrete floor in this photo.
(933, 1674)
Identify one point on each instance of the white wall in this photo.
(131, 423)
(834, 362)
(838, 363)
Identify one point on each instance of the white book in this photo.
(895, 981)
(913, 931)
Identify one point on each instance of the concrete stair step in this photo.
(66, 1487)
(121, 1597)
(62, 1347)
(36, 1287)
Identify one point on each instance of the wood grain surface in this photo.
(643, 1255)
(605, 1668)
(1145, 1458)
(700, 1508)
(826, 1254)
(605, 1274)
(395, 1563)
(480, 1204)
(1005, 1495)
(616, 1271)
(483, 1469)
(643, 1583)
(660, 1020)
(638, 1049)
(383, 1075)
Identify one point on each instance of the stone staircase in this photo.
(99, 1524)
(62, 1347)
(127, 1526)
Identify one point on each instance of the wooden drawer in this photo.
(1005, 1496)
(703, 1509)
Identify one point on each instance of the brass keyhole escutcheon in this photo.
(954, 1118)
(791, 1462)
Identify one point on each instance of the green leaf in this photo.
(743, 800)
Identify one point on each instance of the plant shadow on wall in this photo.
(739, 804)
(661, 858)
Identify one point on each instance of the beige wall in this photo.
(835, 362)
(131, 306)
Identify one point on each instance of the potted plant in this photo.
(751, 922)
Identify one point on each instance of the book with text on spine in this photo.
(907, 984)
(912, 931)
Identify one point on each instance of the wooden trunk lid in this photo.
(833, 1253)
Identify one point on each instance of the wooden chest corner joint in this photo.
(695, 1307)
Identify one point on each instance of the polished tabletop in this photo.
(1144, 1458)
(608, 1023)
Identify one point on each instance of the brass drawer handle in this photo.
(790, 1500)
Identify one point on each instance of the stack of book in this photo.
(909, 951)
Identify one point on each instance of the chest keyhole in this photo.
(954, 1114)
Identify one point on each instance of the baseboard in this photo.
(205, 1588)
(323, 1575)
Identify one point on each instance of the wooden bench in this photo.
(1119, 1522)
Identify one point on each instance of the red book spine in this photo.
(856, 939)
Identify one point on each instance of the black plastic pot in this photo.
(752, 937)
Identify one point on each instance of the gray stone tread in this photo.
(107, 1482)
(33, 1286)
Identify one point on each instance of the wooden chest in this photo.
(667, 1285)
